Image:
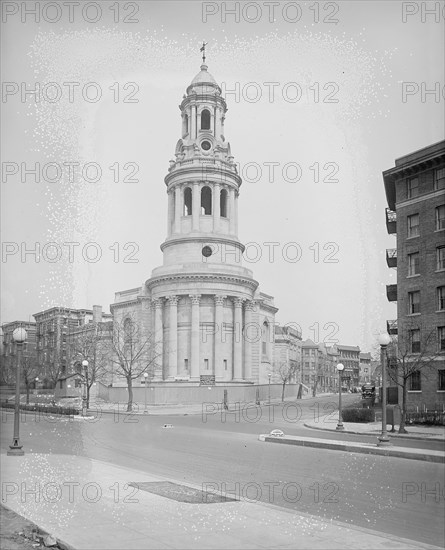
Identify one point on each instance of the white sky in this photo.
(365, 57)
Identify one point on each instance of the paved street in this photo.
(373, 492)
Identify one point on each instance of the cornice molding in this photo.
(208, 239)
(201, 277)
(420, 198)
(121, 305)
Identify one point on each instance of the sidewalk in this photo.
(88, 504)
(329, 423)
(177, 409)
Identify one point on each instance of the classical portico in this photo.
(210, 322)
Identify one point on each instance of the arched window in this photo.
(264, 337)
(128, 330)
(206, 201)
(187, 202)
(186, 124)
(223, 203)
(205, 120)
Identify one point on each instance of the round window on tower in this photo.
(206, 145)
(206, 251)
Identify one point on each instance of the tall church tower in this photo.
(203, 184)
(211, 323)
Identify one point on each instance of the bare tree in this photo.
(91, 343)
(320, 370)
(286, 371)
(7, 372)
(52, 369)
(134, 352)
(408, 357)
(30, 369)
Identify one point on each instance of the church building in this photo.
(211, 323)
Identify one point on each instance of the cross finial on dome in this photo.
(203, 50)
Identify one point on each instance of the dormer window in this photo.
(205, 120)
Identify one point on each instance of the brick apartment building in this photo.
(416, 216)
(349, 356)
(9, 348)
(318, 363)
(365, 368)
(53, 327)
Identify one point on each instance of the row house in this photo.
(287, 354)
(349, 356)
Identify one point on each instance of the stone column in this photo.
(217, 123)
(232, 210)
(236, 212)
(217, 341)
(216, 210)
(173, 338)
(171, 215)
(194, 360)
(248, 337)
(238, 339)
(196, 206)
(192, 122)
(159, 339)
(178, 212)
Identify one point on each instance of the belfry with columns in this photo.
(210, 322)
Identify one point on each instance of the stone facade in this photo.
(287, 354)
(209, 321)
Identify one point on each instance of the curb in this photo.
(112, 411)
(60, 543)
(396, 452)
(401, 436)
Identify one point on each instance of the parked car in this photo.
(368, 390)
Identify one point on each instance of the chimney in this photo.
(97, 314)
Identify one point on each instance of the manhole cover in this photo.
(181, 493)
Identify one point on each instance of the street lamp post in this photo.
(384, 339)
(340, 368)
(146, 379)
(84, 393)
(270, 376)
(19, 336)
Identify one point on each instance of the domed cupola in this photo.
(203, 82)
(202, 181)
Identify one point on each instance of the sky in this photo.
(322, 97)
